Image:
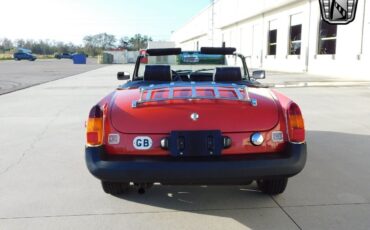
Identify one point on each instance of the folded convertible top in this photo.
(203, 50)
(218, 50)
(163, 52)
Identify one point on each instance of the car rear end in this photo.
(246, 134)
(170, 127)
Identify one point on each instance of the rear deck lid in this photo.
(165, 115)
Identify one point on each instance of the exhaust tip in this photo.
(141, 191)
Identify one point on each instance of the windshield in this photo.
(189, 62)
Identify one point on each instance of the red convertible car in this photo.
(188, 123)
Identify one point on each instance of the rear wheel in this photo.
(272, 186)
(115, 188)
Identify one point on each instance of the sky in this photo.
(71, 20)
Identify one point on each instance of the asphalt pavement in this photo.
(44, 183)
(15, 75)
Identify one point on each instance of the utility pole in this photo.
(212, 23)
(363, 29)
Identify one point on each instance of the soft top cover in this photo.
(163, 52)
(218, 50)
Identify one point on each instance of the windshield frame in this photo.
(136, 77)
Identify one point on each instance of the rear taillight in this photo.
(94, 127)
(295, 124)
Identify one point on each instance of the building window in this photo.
(327, 38)
(272, 38)
(295, 38)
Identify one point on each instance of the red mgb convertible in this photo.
(198, 122)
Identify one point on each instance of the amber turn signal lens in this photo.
(94, 127)
(94, 131)
(296, 124)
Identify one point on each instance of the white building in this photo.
(161, 59)
(119, 56)
(123, 56)
(283, 35)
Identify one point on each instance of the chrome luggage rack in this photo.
(194, 86)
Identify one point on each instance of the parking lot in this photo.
(46, 185)
(15, 75)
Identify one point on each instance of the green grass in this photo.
(4, 57)
(45, 56)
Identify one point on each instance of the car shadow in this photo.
(233, 202)
(240, 202)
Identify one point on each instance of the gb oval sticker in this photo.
(142, 143)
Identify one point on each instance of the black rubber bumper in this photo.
(222, 170)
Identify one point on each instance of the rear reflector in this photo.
(277, 136)
(92, 137)
(113, 139)
(295, 124)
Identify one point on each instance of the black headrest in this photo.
(157, 73)
(229, 74)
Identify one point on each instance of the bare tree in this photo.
(6, 45)
(124, 43)
(20, 42)
(139, 42)
(95, 44)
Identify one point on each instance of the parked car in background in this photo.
(63, 56)
(23, 54)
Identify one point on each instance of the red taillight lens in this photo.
(94, 127)
(296, 124)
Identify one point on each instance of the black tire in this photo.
(115, 188)
(272, 186)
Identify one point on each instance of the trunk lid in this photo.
(162, 117)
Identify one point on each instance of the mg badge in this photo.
(338, 12)
(194, 116)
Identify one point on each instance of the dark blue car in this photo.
(24, 56)
(63, 56)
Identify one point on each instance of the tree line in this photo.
(92, 44)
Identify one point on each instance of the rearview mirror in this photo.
(123, 76)
(259, 74)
